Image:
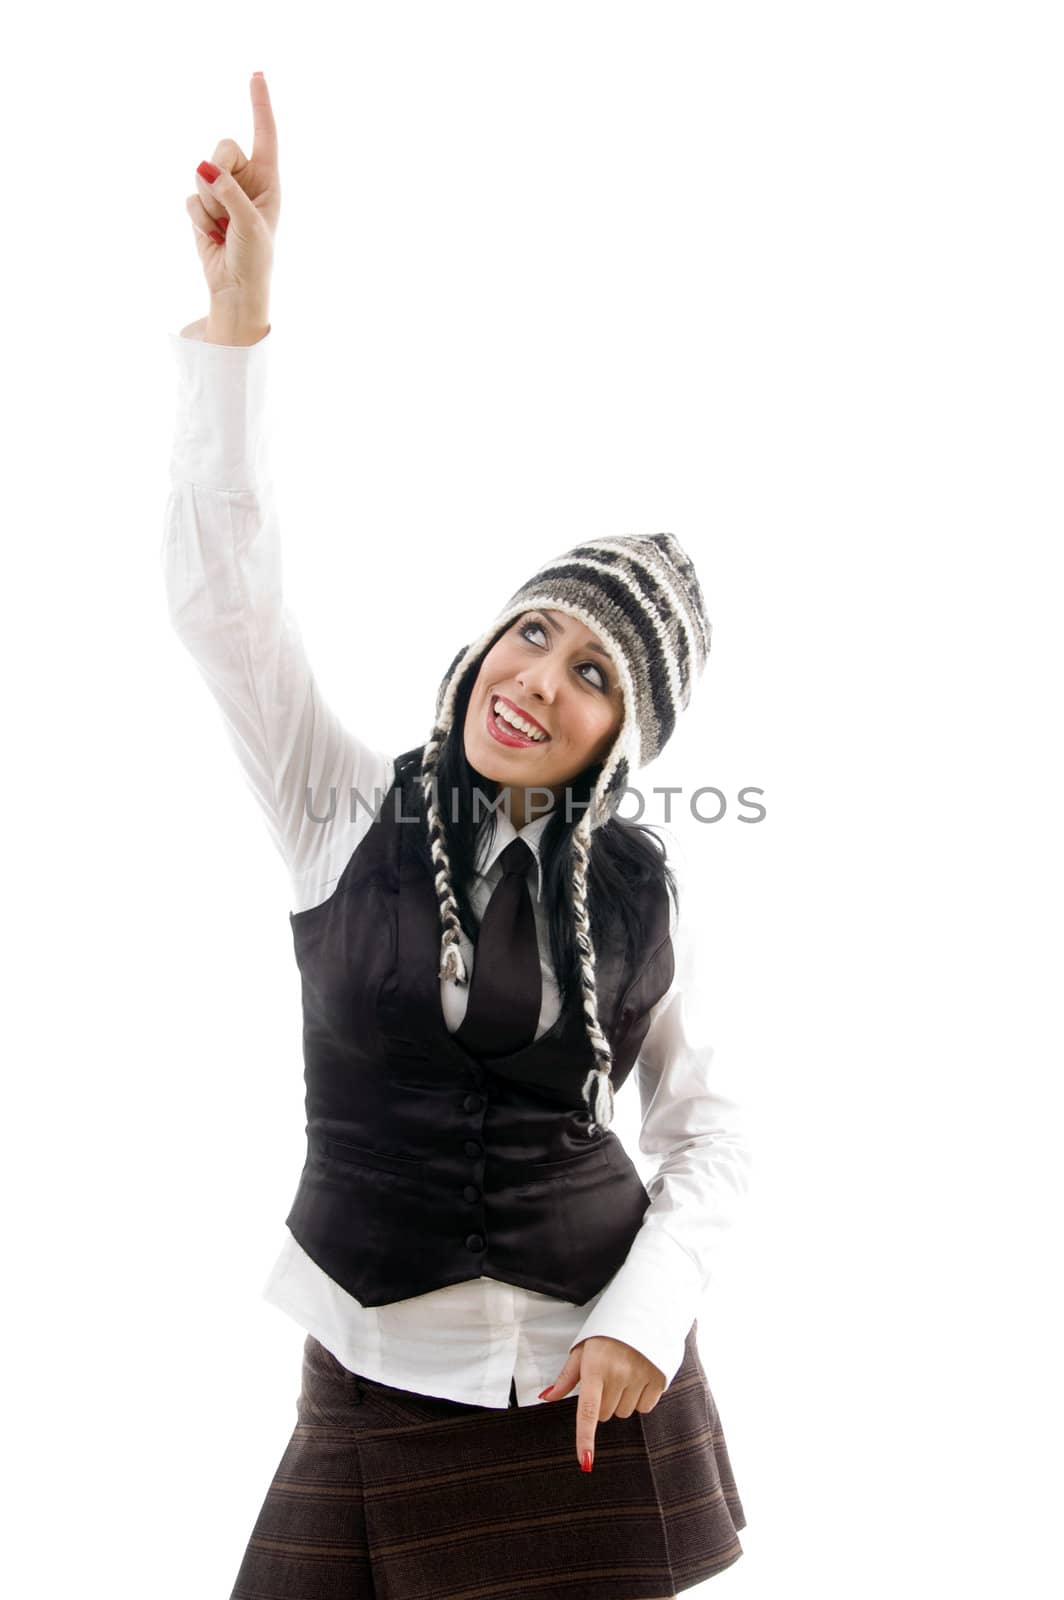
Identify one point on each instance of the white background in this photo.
(784, 280)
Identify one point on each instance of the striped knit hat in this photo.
(641, 595)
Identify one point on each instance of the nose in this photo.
(536, 679)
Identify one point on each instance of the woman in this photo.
(501, 1388)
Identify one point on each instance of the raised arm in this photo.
(221, 548)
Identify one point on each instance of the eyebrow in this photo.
(591, 645)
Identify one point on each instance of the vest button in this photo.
(472, 1102)
(474, 1242)
(470, 1192)
(471, 1147)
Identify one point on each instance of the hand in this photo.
(615, 1379)
(242, 205)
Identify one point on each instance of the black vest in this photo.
(425, 1165)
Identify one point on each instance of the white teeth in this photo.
(503, 711)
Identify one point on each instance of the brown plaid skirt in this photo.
(383, 1494)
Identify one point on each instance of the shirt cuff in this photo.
(650, 1303)
(220, 437)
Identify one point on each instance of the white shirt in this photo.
(221, 559)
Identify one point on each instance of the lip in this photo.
(511, 736)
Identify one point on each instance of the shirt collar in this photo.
(505, 834)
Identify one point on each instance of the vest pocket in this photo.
(356, 1156)
(597, 1152)
(529, 1171)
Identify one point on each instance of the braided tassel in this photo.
(452, 965)
(598, 1081)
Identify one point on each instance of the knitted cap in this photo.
(640, 594)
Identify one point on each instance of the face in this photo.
(552, 671)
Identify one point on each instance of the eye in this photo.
(525, 628)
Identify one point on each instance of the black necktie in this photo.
(506, 987)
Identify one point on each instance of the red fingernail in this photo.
(256, 74)
(208, 171)
(223, 223)
(586, 1463)
(544, 1393)
(216, 236)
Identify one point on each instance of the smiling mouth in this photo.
(506, 732)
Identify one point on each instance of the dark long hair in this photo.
(624, 855)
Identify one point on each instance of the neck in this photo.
(524, 805)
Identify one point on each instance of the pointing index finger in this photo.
(264, 143)
(588, 1406)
